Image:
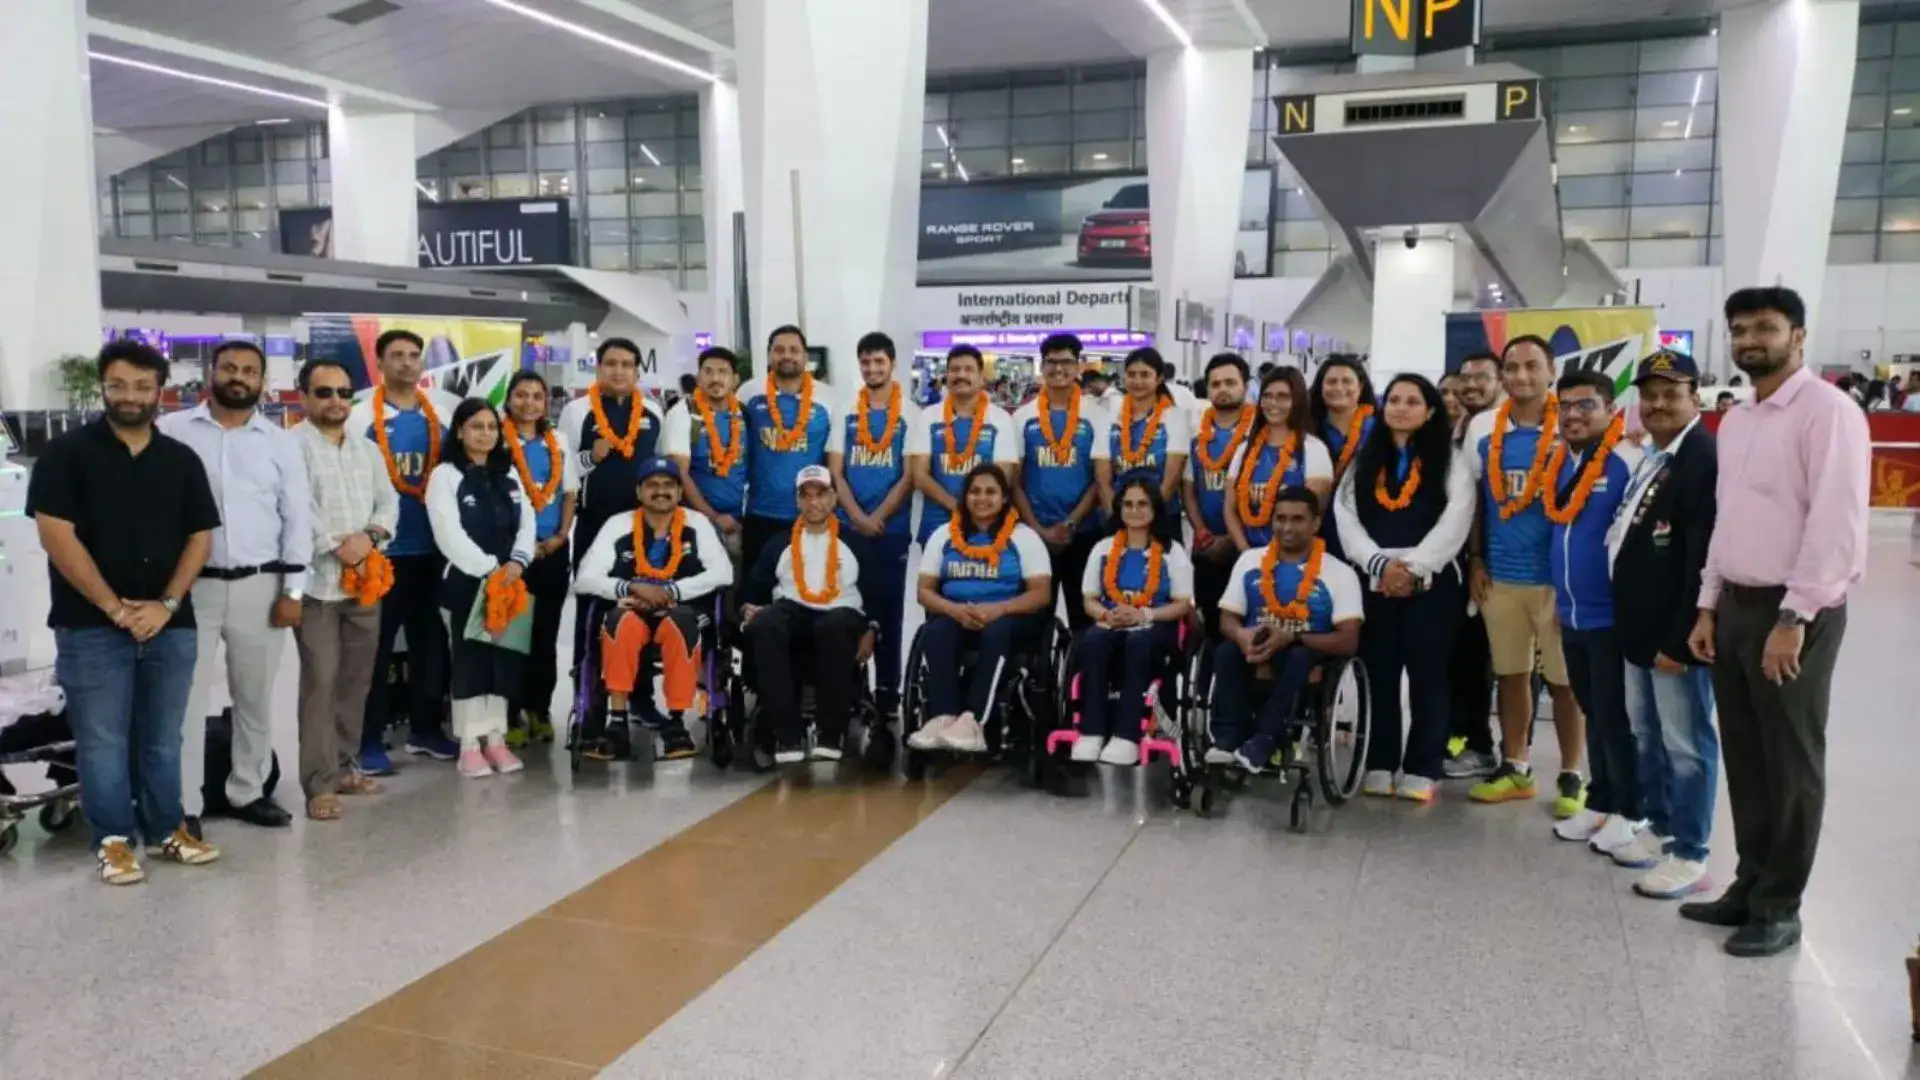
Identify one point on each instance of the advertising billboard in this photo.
(1610, 340)
(463, 233)
(464, 357)
(1066, 229)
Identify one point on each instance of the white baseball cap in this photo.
(813, 474)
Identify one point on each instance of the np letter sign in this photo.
(1414, 27)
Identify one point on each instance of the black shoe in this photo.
(191, 823)
(263, 812)
(1764, 938)
(675, 743)
(1728, 911)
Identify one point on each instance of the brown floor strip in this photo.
(563, 994)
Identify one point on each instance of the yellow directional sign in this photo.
(1413, 27)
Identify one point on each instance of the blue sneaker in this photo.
(436, 746)
(373, 761)
(1255, 755)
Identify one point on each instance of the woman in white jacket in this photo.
(481, 524)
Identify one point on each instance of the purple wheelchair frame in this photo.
(588, 681)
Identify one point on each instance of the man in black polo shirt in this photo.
(126, 517)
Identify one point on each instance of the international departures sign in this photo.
(1414, 27)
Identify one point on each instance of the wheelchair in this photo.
(738, 721)
(1029, 685)
(722, 686)
(1331, 723)
(1170, 698)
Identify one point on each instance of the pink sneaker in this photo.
(474, 764)
(503, 759)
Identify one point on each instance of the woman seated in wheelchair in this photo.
(656, 568)
(986, 585)
(1287, 607)
(802, 609)
(1137, 590)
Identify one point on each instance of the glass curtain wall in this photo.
(982, 126)
(1876, 217)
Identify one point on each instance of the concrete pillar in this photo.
(1412, 293)
(832, 96)
(49, 211)
(1786, 76)
(376, 215)
(720, 183)
(1199, 103)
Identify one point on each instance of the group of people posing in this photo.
(1500, 522)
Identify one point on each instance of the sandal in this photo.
(323, 808)
(359, 783)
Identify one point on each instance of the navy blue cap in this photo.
(1669, 365)
(656, 467)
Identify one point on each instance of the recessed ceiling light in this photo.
(599, 38)
(1903, 111)
(1019, 161)
(1100, 157)
(1166, 19)
(191, 76)
(264, 123)
(650, 155)
(1576, 129)
(1669, 123)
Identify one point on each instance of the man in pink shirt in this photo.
(1790, 539)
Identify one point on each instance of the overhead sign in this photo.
(1296, 114)
(461, 233)
(1414, 27)
(1519, 99)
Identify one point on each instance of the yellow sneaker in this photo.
(184, 849)
(118, 864)
(516, 736)
(1507, 784)
(1571, 797)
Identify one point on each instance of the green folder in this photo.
(518, 635)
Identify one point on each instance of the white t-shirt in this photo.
(1339, 579)
(1179, 571)
(813, 553)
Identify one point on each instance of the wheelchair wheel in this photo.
(9, 836)
(1343, 726)
(59, 815)
(913, 703)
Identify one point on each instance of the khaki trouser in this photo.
(338, 640)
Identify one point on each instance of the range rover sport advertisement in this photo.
(1065, 229)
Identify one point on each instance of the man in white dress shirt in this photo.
(249, 592)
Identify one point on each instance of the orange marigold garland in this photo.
(956, 458)
(724, 455)
(1130, 597)
(506, 601)
(1132, 456)
(784, 437)
(1295, 609)
(1208, 462)
(369, 581)
(417, 491)
(1405, 498)
(991, 552)
(540, 495)
(863, 406)
(1060, 442)
(643, 565)
(1590, 474)
(1243, 485)
(1355, 428)
(624, 444)
(830, 590)
(1496, 471)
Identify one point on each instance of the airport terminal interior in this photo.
(1386, 191)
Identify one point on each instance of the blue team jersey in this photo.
(965, 580)
(1516, 547)
(773, 470)
(1336, 437)
(1264, 460)
(1335, 597)
(540, 467)
(1054, 486)
(872, 474)
(1212, 488)
(950, 474)
(726, 494)
(1578, 560)
(1151, 458)
(1132, 576)
(407, 438)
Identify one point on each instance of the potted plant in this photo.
(80, 380)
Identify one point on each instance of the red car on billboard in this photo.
(1120, 232)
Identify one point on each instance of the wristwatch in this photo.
(1788, 620)
(172, 605)
(294, 595)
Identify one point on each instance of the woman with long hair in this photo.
(986, 583)
(1279, 454)
(549, 475)
(1137, 588)
(1344, 411)
(484, 529)
(1151, 435)
(1404, 511)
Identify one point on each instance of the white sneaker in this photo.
(1580, 826)
(964, 735)
(1646, 850)
(1617, 833)
(1120, 752)
(1418, 789)
(1086, 750)
(1218, 756)
(118, 864)
(931, 735)
(824, 752)
(1674, 878)
(1378, 783)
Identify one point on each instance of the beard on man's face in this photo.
(132, 414)
(235, 395)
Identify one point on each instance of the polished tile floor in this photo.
(673, 922)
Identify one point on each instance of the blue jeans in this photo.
(126, 702)
(1672, 718)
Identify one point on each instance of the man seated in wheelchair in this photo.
(1287, 606)
(802, 608)
(657, 568)
(986, 583)
(1137, 589)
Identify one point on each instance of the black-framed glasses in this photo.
(1582, 405)
(328, 393)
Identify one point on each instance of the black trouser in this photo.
(755, 534)
(1069, 567)
(994, 647)
(1210, 581)
(412, 603)
(1141, 655)
(1470, 670)
(1233, 720)
(1400, 636)
(1774, 741)
(787, 638)
(883, 593)
(1599, 679)
(547, 580)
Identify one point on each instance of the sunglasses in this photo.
(328, 393)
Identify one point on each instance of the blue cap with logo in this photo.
(1669, 365)
(653, 467)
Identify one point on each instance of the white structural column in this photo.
(49, 210)
(832, 95)
(376, 215)
(1786, 77)
(1412, 293)
(1199, 105)
(720, 179)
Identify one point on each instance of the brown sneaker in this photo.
(118, 864)
(184, 849)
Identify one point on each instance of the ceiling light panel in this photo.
(589, 34)
(208, 80)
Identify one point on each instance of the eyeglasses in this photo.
(1582, 405)
(328, 393)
